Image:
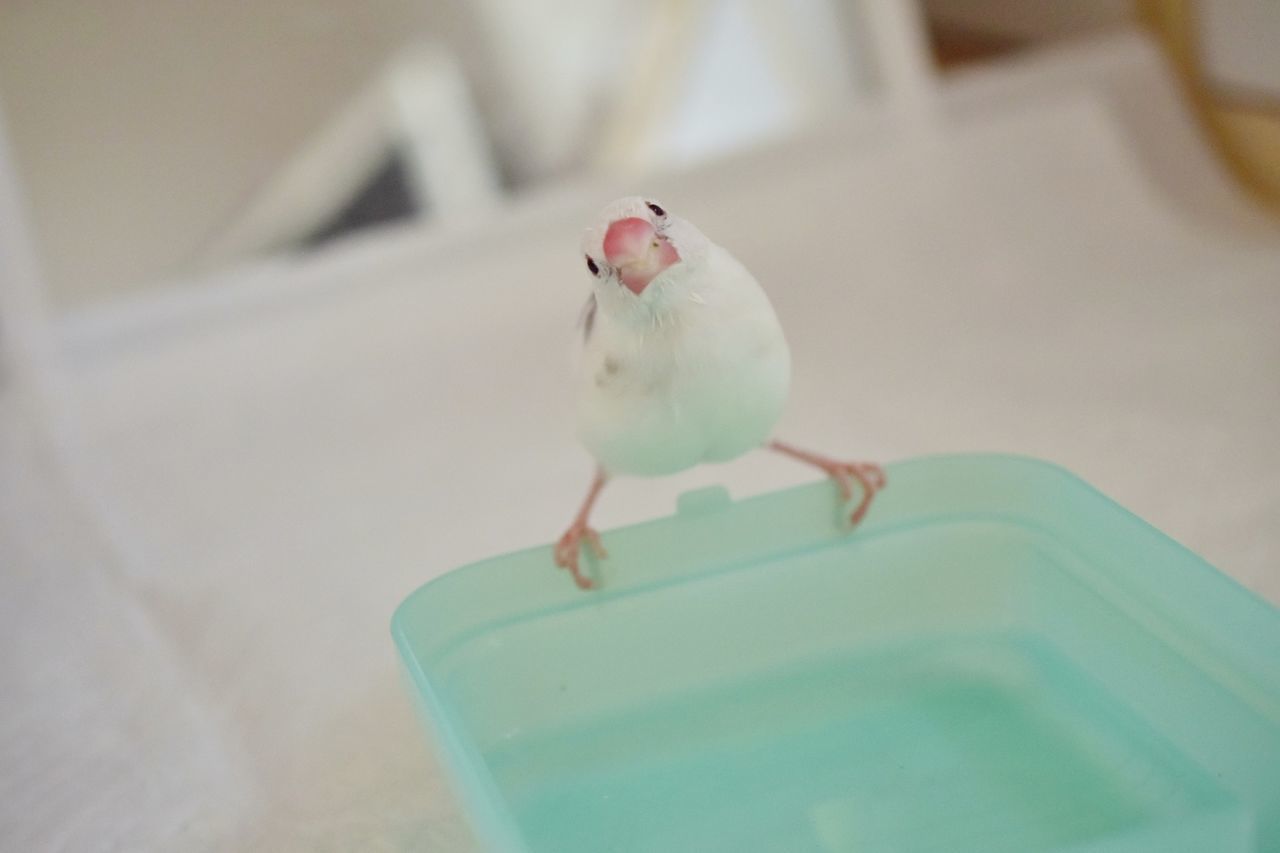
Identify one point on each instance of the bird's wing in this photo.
(587, 317)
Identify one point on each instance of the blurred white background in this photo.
(155, 139)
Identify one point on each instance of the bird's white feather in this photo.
(694, 369)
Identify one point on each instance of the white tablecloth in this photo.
(200, 569)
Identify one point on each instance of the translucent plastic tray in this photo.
(998, 659)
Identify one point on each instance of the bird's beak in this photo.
(637, 252)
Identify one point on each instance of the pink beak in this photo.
(637, 252)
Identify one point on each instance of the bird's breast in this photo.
(669, 404)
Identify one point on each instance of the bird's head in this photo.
(641, 255)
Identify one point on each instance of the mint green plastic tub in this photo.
(998, 659)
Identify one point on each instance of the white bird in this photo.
(683, 362)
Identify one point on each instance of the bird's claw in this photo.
(568, 551)
(869, 476)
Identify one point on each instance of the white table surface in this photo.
(197, 587)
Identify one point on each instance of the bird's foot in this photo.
(569, 548)
(869, 476)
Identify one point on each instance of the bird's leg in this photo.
(568, 548)
(868, 474)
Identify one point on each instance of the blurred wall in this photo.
(140, 127)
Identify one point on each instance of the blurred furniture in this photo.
(638, 87)
(155, 140)
(1029, 23)
(713, 76)
(239, 484)
(1226, 53)
(419, 110)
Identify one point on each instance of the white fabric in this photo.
(198, 576)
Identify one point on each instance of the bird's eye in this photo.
(591, 265)
(657, 211)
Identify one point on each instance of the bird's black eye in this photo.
(657, 211)
(591, 265)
